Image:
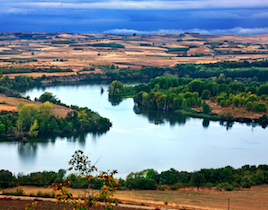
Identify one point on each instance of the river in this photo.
(137, 141)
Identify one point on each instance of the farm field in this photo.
(86, 53)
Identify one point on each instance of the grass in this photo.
(43, 194)
(184, 198)
(18, 191)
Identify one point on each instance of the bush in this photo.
(209, 185)
(162, 187)
(141, 184)
(225, 186)
(6, 178)
(45, 194)
(176, 186)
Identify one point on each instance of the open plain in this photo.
(87, 53)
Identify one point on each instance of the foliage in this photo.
(80, 163)
(34, 120)
(112, 45)
(206, 108)
(30, 206)
(7, 179)
(171, 93)
(33, 132)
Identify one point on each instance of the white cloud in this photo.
(236, 30)
(218, 14)
(14, 10)
(151, 5)
(259, 15)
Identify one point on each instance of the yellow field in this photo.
(80, 53)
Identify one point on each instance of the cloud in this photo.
(14, 10)
(148, 5)
(260, 15)
(236, 30)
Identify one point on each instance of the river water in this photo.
(137, 140)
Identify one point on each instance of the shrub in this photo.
(45, 194)
(176, 186)
(141, 184)
(225, 186)
(162, 187)
(209, 185)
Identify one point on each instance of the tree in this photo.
(185, 104)
(115, 87)
(80, 163)
(206, 108)
(206, 94)
(6, 178)
(46, 110)
(47, 96)
(236, 101)
(2, 128)
(260, 107)
(197, 179)
(27, 114)
(33, 130)
(249, 106)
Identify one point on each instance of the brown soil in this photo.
(18, 204)
(236, 112)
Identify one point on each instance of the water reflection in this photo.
(115, 100)
(27, 150)
(205, 123)
(161, 117)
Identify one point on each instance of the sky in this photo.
(135, 16)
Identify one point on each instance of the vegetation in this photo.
(112, 45)
(226, 178)
(13, 70)
(171, 93)
(62, 42)
(32, 120)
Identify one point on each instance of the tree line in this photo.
(226, 178)
(172, 93)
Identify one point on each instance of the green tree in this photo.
(249, 106)
(185, 104)
(34, 129)
(2, 128)
(206, 94)
(116, 87)
(46, 110)
(197, 179)
(47, 96)
(260, 107)
(27, 114)
(206, 108)
(236, 101)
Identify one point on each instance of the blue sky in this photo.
(135, 16)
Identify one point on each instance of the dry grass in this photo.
(235, 111)
(11, 104)
(188, 198)
(133, 55)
